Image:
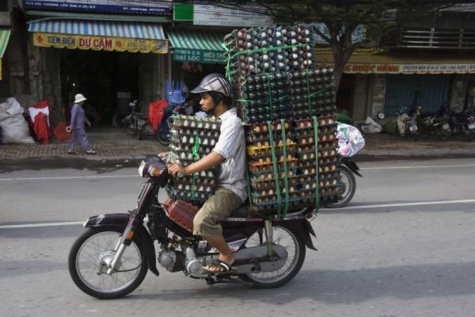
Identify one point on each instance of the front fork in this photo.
(269, 231)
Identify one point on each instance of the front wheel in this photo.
(295, 248)
(162, 139)
(89, 258)
(444, 134)
(347, 188)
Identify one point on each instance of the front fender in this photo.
(120, 221)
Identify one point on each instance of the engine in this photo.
(193, 263)
(172, 260)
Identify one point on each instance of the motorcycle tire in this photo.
(444, 135)
(292, 242)
(138, 134)
(161, 139)
(87, 259)
(469, 135)
(347, 190)
(130, 129)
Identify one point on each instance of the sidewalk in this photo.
(115, 148)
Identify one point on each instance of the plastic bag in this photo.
(14, 126)
(350, 140)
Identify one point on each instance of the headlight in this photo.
(141, 168)
(148, 170)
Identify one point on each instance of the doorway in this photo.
(107, 79)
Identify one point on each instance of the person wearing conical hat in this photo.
(77, 128)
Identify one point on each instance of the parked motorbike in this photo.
(111, 258)
(463, 125)
(137, 124)
(130, 121)
(407, 125)
(436, 125)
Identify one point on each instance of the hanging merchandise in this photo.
(288, 106)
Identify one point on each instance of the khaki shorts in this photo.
(218, 207)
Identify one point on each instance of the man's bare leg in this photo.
(225, 253)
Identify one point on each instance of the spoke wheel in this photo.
(347, 189)
(296, 255)
(89, 257)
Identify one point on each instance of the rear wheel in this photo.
(347, 188)
(90, 256)
(296, 251)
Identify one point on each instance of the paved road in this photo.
(404, 247)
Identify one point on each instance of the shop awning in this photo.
(387, 64)
(100, 35)
(200, 47)
(4, 37)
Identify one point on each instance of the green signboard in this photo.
(198, 56)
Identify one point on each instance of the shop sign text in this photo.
(198, 56)
(100, 43)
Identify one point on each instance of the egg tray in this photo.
(257, 184)
(192, 122)
(178, 146)
(199, 186)
(256, 151)
(254, 139)
(307, 156)
(269, 175)
(296, 50)
(199, 198)
(265, 167)
(314, 111)
(200, 133)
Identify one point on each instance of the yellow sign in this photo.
(99, 43)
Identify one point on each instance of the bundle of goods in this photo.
(191, 139)
(289, 108)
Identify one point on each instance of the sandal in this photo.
(72, 152)
(90, 152)
(219, 267)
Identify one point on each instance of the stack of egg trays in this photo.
(269, 49)
(263, 97)
(328, 161)
(266, 186)
(312, 92)
(191, 139)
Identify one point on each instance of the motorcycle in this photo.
(137, 124)
(113, 255)
(407, 125)
(436, 125)
(463, 124)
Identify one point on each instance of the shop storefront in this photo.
(110, 62)
(394, 82)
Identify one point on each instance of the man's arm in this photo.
(206, 163)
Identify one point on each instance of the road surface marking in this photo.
(422, 203)
(66, 177)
